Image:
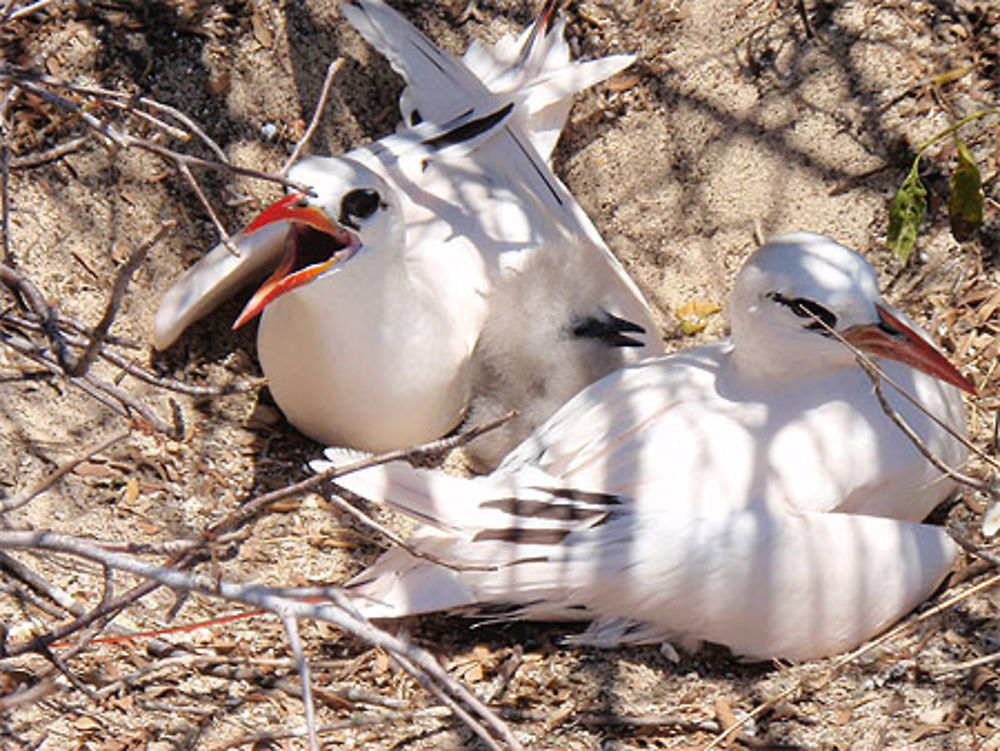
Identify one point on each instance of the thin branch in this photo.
(14, 502)
(88, 119)
(129, 107)
(369, 719)
(418, 662)
(876, 379)
(967, 545)
(122, 278)
(252, 509)
(804, 682)
(5, 189)
(450, 703)
(121, 99)
(870, 367)
(961, 667)
(27, 10)
(111, 396)
(60, 664)
(30, 695)
(13, 567)
(324, 95)
(227, 240)
(49, 155)
(33, 81)
(27, 598)
(302, 666)
(235, 667)
(392, 537)
(130, 367)
(36, 303)
(104, 610)
(806, 21)
(180, 387)
(69, 324)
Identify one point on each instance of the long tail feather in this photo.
(764, 580)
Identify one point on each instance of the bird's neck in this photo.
(769, 362)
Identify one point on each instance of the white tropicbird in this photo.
(750, 493)
(386, 273)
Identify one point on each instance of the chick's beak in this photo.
(299, 265)
(893, 339)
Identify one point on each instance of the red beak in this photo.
(294, 208)
(895, 340)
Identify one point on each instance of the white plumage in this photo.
(383, 319)
(750, 493)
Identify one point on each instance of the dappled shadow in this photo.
(792, 120)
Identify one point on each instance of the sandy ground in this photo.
(735, 121)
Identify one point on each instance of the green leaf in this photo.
(906, 212)
(965, 204)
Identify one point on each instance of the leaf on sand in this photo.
(695, 314)
(906, 212)
(965, 204)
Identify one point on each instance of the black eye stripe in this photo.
(806, 308)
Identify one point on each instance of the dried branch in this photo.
(336, 611)
(44, 313)
(37, 82)
(122, 100)
(60, 665)
(302, 666)
(130, 367)
(100, 332)
(876, 378)
(49, 155)
(370, 719)
(12, 567)
(111, 396)
(324, 95)
(27, 10)
(5, 189)
(252, 509)
(876, 373)
(807, 682)
(961, 667)
(14, 502)
(30, 695)
(70, 325)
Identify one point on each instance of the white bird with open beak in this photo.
(750, 493)
(387, 272)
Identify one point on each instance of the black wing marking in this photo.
(469, 130)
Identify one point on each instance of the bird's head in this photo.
(801, 293)
(349, 210)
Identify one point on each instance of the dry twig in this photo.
(100, 332)
(335, 610)
(324, 95)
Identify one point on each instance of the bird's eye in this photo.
(359, 204)
(822, 318)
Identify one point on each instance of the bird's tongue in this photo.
(308, 253)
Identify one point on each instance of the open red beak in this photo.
(294, 207)
(313, 245)
(895, 340)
